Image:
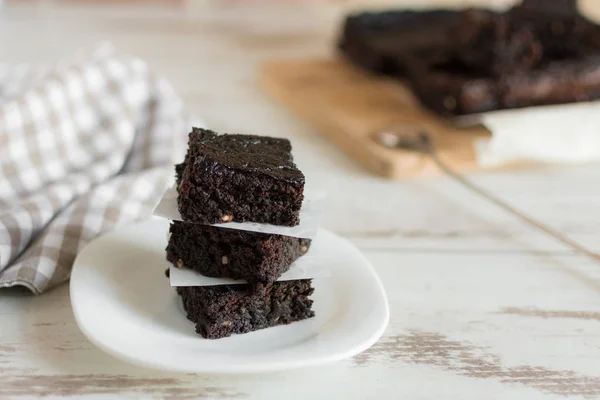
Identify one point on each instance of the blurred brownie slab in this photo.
(477, 40)
(242, 178)
(220, 311)
(561, 35)
(562, 7)
(230, 253)
(523, 38)
(489, 43)
(383, 42)
(559, 82)
(478, 60)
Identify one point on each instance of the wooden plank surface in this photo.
(350, 107)
(481, 306)
(463, 326)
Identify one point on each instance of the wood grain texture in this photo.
(350, 107)
(431, 348)
(481, 306)
(98, 384)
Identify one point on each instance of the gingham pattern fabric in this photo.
(84, 147)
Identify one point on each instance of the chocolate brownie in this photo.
(459, 94)
(230, 253)
(239, 178)
(384, 42)
(566, 35)
(480, 60)
(491, 43)
(525, 37)
(562, 7)
(477, 39)
(220, 311)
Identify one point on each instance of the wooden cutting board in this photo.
(350, 106)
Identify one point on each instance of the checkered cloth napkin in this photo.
(84, 147)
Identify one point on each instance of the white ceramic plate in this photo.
(124, 304)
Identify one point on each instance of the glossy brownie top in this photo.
(258, 154)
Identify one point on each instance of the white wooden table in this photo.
(481, 306)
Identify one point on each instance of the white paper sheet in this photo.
(310, 214)
(566, 134)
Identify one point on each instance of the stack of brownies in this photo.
(239, 178)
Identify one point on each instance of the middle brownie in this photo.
(230, 253)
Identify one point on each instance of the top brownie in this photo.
(242, 178)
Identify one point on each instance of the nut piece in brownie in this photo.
(220, 311)
(239, 178)
(231, 253)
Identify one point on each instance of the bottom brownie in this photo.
(220, 311)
